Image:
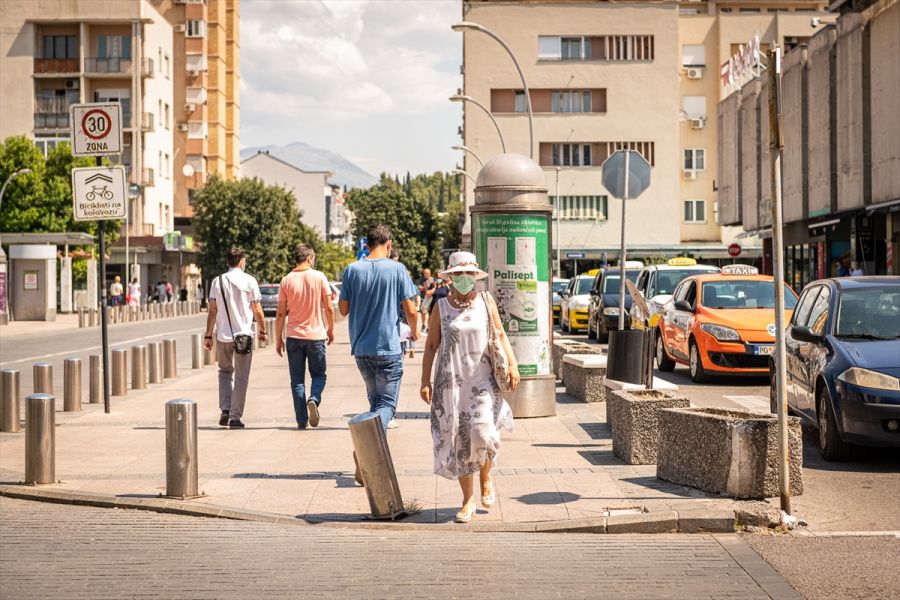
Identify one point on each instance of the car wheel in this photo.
(831, 445)
(602, 336)
(698, 373)
(662, 359)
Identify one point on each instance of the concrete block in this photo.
(583, 376)
(632, 414)
(727, 452)
(563, 347)
(706, 521)
(664, 521)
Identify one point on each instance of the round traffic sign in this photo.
(734, 250)
(96, 124)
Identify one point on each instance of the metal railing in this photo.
(54, 66)
(44, 120)
(107, 65)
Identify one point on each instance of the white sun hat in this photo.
(463, 262)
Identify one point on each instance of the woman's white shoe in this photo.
(487, 500)
(465, 514)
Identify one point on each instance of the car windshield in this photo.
(669, 279)
(583, 285)
(744, 293)
(611, 282)
(560, 286)
(869, 312)
(269, 290)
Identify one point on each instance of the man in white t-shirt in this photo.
(233, 305)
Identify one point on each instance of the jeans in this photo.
(234, 375)
(382, 375)
(299, 352)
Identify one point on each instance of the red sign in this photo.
(734, 250)
(96, 124)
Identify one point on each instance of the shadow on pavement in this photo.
(548, 498)
(674, 489)
(601, 457)
(597, 431)
(863, 459)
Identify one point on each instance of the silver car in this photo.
(269, 303)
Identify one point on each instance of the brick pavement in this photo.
(49, 550)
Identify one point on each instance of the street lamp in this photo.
(10, 178)
(558, 240)
(470, 151)
(463, 25)
(464, 98)
(461, 172)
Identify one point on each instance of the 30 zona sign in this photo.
(97, 129)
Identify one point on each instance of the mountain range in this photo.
(309, 158)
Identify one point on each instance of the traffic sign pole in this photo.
(622, 251)
(104, 332)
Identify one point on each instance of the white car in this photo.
(573, 313)
(658, 282)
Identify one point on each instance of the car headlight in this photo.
(611, 311)
(869, 379)
(721, 333)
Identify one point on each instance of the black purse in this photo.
(243, 343)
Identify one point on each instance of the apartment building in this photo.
(841, 185)
(610, 75)
(206, 66)
(54, 53)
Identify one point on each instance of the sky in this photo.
(367, 79)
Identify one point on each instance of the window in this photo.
(46, 145)
(695, 211)
(521, 106)
(569, 101)
(167, 122)
(60, 46)
(572, 155)
(804, 305)
(168, 70)
(750, 10)
(693, 55)
(573, 48)
(159, 61)
(589, 154)
(197, 130)
(167, 162)
(114, 46)
(818, 316)
(196, 28)
(603, 47)
(581, 208)
(160, 113)
(694, 107)
(694, 159)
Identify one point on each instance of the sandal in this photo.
(464, 515)
(487, 500)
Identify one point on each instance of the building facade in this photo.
(610, 75)
(841, 183)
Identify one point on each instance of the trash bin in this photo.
(376, 466)
(626, 356)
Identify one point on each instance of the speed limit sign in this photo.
(96, 129)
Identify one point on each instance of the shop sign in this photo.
(744, 65)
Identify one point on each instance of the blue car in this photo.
(843, 362)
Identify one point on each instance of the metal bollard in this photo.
(154, 355)
(9, 400)
(170, 364)
(40, 439)
(119, 372)
(92, 317)
(181, 449)
(72, 384)
(376, 466)
(139, 367)
(196, 351)
(80, 318)
(43, 378)
(262, 343)
(95, 379)
(209, 356)
(255, 334)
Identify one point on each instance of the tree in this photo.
(332, 258)
(263, 220)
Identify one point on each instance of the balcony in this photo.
(147, 67)
(147, 122)
(56, 66)
(51, 120)
(107, 66)
(147, 177)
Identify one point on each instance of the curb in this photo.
(668, 521)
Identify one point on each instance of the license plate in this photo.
(766, 350)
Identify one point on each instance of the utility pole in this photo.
(776, 150)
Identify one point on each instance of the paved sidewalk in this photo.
(550, 469)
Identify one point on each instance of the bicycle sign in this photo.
(96, 129)
(98, 193)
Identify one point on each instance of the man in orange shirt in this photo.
(304, 298)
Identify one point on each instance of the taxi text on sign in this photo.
(98, 193)
(97, 129)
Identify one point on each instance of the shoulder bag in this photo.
(496, 352)
(243, 343)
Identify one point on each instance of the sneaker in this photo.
(393, 424)
(223, 420)
(235, 424)
(301, 426)
(313, 410)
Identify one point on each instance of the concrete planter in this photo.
(563, 347)
(729, 452)
(583, 376)
(633, 414)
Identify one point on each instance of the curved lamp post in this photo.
(463, 25)
(461, 172)
(470, 151)
(12, 176)
(464, 98)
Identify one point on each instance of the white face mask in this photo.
(463, 283)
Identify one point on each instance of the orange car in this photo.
(721, 323)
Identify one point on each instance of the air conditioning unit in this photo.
(190, 107)
(698, 123)
(72, 83)
(182, 127)
(690, 174)
(694, 73)
(179, 28)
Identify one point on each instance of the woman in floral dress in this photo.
(467, 409)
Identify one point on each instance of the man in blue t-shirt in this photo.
(373, 291)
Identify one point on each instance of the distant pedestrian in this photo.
(161, 291)
(168, 291)
(183, 295)
(303, 298)
(467, 409)
(373, 292)
(441, 290)
(424, 283)
(116, 292)
(234, 299)
(134, 293)
(855, 269)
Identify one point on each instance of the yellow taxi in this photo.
(573, 313)
(721, 323)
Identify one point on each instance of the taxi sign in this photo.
(681, 261)
(739, 270)
(592, 272)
